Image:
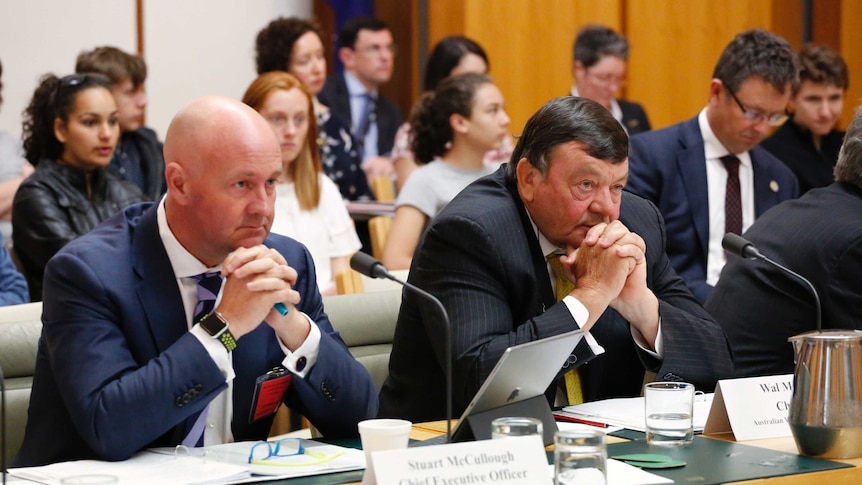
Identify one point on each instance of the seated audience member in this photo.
(707, 175)
(71, 128)
(451, 56)
(367, 52)
(295, 45)
(138, 157)
(599, 59)
(13, 286)
(817, 236)
(13, 170)
(808, 142)
(491, 257)
(157, 324)
(308, 206)
(453, 128)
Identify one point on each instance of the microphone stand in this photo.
(371, 267)
(745, 249)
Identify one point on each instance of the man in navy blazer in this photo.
(680, 168)
(122, 366)
(484, 257)
(368, 53)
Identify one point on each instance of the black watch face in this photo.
(212, 324)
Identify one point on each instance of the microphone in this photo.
(743, 248)
(373, 268)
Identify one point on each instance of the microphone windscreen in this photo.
(735, 244)
(365, 264)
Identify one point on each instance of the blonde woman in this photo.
(308, 205)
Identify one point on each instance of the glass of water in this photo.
(669, 409)
(580, 457)
(515, 426)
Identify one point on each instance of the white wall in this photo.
(41, 36)
(192, 47)
(199, 47)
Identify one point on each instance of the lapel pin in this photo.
(773, 186)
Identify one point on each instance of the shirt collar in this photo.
(354, 86)
(712, 147)
(183, 262)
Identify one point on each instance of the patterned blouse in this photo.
(338, 154)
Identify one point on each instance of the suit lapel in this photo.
(540, 265)
(691, 162)
(157, 290)
(764, 195)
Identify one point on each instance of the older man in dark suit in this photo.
(817, 236)
(707, 175)
(492, 256)
(159, 323)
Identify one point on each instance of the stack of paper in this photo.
(629, 412)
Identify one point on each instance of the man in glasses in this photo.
(707, 175)
(367, 52)
(599, 59)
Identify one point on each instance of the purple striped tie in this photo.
(209, 285)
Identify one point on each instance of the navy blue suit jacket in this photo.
(116, 360)
(481, 257)
(335, 95)
(668, 168)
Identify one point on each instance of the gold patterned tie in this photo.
(564, 286)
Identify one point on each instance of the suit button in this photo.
(179, 402)
(327, 393)
(301, 363)
(186, 398)
(198, 387)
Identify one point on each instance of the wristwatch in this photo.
(217, 326)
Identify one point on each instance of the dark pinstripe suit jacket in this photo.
(481, 257)
(759, 307)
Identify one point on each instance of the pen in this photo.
(281, 308)
(573, 419)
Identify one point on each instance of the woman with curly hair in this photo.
(295, 45)
(308, 206)
(453, 127)
(71, 129)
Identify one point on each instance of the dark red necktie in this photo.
(732, 196)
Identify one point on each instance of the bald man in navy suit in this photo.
(124, 365)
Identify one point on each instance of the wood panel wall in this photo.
(674, 44)
(851, 39)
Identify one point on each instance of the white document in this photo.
(227, 463)
(621, 473)
(629, 412)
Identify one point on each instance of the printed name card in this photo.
(516, 460)
(752, 408)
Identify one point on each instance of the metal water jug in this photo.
(826, 408)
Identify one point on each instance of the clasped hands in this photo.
(609, 269)
(257, 278)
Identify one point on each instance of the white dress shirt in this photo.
(716, 181)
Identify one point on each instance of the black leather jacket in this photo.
(51, 208)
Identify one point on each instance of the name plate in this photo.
(516, 460)
(752, 408)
